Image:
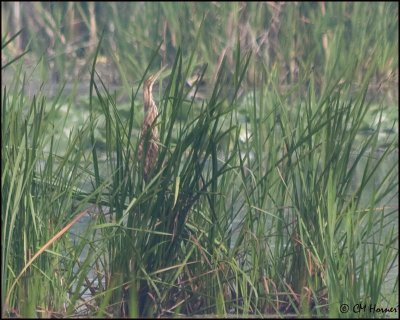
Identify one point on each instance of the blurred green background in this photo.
(279, 123)
(286, 40)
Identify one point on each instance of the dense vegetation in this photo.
(275, 190)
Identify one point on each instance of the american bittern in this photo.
(149, 137)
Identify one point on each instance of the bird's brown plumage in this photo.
(149, 137)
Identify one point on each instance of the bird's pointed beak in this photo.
(155, 76)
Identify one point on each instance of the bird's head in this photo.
(147, 90)
(148, 84)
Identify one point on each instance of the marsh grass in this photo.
(291, 38)
(259, 204)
